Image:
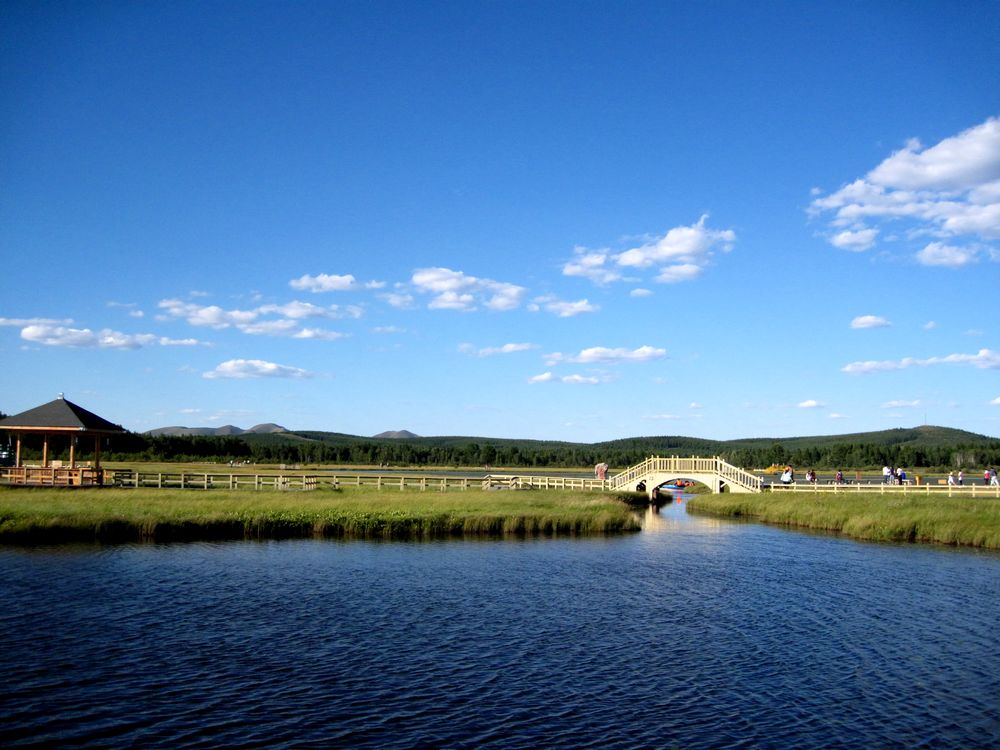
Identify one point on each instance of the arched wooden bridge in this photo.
(713, 472)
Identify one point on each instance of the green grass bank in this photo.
(973, 522)
(108, 516)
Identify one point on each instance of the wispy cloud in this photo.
(548, 377)
(562, 308)
(605, 355)
(949, 191)
(984, 359)
(490, 351)
(265, 320)
(593, 265)
(870, 321)
(902, 404)
(22, 322)
(240, 369)
(63, 336)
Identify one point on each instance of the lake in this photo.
(695, 633)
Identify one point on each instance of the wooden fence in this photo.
(950, 490)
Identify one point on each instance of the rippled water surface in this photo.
(692, 634)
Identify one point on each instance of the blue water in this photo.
(695, 633)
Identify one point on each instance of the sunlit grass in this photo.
(872, 516)
(115, 515)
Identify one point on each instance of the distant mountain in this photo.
(227, 430)
(396, 435)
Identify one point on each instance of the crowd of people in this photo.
(989, 477)
(892, 475)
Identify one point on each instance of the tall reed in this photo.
(112, 515)
(872, 516)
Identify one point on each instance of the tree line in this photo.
(480, 453)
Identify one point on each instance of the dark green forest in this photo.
(924, 447)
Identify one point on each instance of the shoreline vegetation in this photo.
(111, 516)
(868, 516)
(33, 516)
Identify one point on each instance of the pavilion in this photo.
(57, 420)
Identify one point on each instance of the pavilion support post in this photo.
(45, 450)
(17, 455)
(72, 451)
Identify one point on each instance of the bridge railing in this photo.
(730, 474)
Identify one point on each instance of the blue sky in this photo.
(557, 220)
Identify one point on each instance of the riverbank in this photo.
(102, 515)
(973, 522)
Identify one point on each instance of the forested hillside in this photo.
(931, 447)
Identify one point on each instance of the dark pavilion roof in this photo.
(59, 414)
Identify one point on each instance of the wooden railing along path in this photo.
(953, 490)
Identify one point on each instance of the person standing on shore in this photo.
(961, 477)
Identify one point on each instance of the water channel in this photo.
(695, 633)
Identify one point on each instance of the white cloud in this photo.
(605, 355)
(985, 359)
(666, 417)
(693, 244)
(996, 401)
(870, 321)
(323, 283)
(319, 334)
(950, 191)
(682, 254)
(930, 325)
(811, 404)
(562, 308)
(950, 256)
(637, 293)
(399, 300)
(548, 377)
(694, 405)
(591, 264)
(580, 380)
(678, 273)
(490, 351)
(265, 320)
(53, 335)
(901, 404)
(240, 369)
(856, 241)
(455, 290)
(835, 415)
(22, 322)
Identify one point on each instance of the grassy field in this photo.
(967, 521)
(105, 515)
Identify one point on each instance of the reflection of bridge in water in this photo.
(715, 473)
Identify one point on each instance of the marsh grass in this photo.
(32, 516)
(872, 516)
